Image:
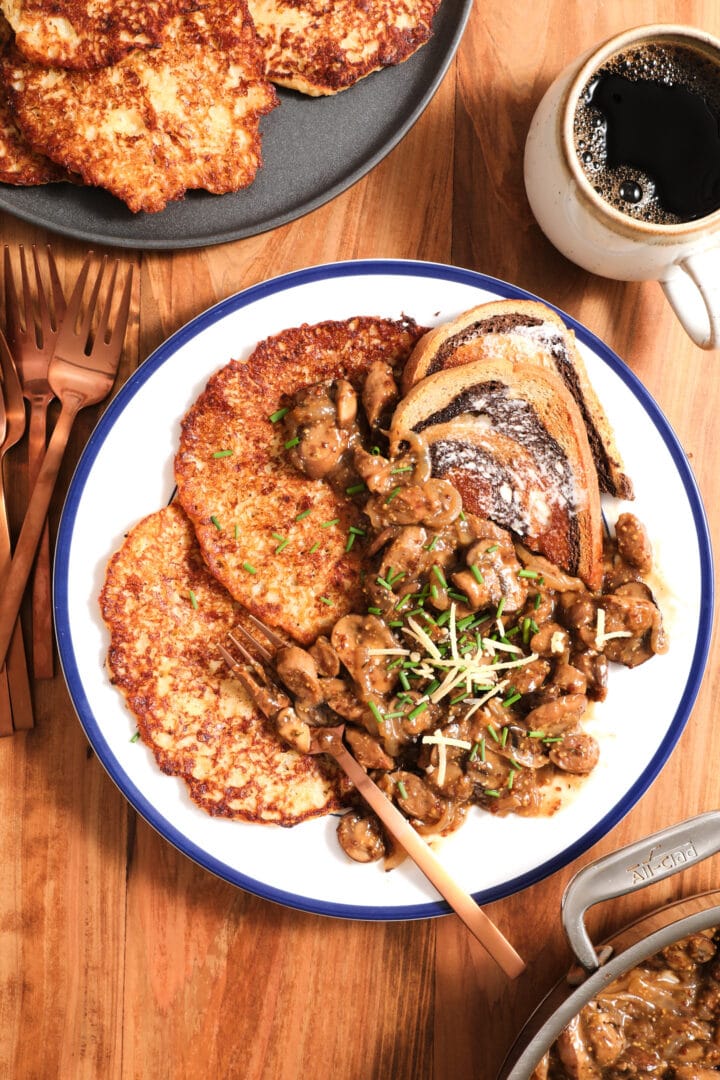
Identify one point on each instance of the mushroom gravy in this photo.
(660, 1019)
(468, 675)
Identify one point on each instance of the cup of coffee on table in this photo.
(622, 167)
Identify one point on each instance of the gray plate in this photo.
(313, 148)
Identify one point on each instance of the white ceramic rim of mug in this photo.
(688, 35)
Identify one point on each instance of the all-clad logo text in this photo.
(661, 862)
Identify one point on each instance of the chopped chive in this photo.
(374, 611)
(418, 709)
(538, 599)
(511, 699)
(476, 574)
(434, 592)
(375, 451)
(534, 627)
(385, 584)
(402, 789)
(528, 573)
(463, 624)
(460, 597)
(283, 543)
(355, 489)
(394, 623)
(350, 541)
(433, 542)
(536, 734)
(526, 630)
(274, 417)
(395, 663)
(462, 515)
(474, 751)
(500, 608)
(511, 633)
(236, 530)
(302, 514)
(223, 453)
(314, 548)
(443, 617)
(461, 697)
(402, 468)
(505, 733)
(136, 736)
(492, 792)
(553, 738)
(511, 779)
(493, 733)
(392, 494)
(292, 442)
(493, 547)
(216, 523)
(324, 600)
(439, 575)
(404, 681)
(376, 712)
(482, 749)
(356, 531)
(329, 524)
(250, 569)
(403, 601)
(193, 598)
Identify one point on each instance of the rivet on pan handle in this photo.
(643, 863)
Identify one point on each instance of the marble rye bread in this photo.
(525, 331)
(511, 439)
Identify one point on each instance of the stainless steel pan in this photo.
(631, 868)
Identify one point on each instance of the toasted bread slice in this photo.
(525, 331)
(85, 33)
(511, 439)
(161, 121)
(319, 48)
(166, 615)
(276, 539)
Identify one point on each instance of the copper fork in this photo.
(81, 373)
(32, 330)
(261, 681)
(16, 710)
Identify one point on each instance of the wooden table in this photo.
(119, 957)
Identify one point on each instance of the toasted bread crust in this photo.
(511, 439)
(525, 331)
(255, 494)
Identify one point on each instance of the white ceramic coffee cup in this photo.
(684, 258)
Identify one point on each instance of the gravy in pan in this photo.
(661, 1019)
(467, 677)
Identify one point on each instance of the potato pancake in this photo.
(161, 121)
(321, 48)
(165, 613)
(87, 33)
(276, 539)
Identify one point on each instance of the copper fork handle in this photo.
(12, 584)
(422, 855)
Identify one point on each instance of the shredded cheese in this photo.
(442, 758)
(601, 637)
(438, 738)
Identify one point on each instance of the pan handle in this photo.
(631, 868)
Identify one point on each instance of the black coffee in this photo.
(647, 133)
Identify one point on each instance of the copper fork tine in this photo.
(13, 676)
(329, 740)
(32, 340)
(82, 372)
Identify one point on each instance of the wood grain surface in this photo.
(119, 957)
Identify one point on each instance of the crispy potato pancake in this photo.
(19, 163)
(88, 33)
(321, 48)
(165, 613)
(160, 122)
(275, 538)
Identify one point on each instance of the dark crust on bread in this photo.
(611, 477)
(166, 614)
(256, 491)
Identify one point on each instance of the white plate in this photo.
(126, 472)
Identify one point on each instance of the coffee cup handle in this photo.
(693, 290)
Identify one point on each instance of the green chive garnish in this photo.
(250, 569)
(274, 417)
(216, 523)
(376, 712)
(418, 709)
(492, 792)
(505, 733)
(500, 608)
(474, 752)
(493, 733)
(324, 600)
(283, 542)
(402, 789)
(302, 514)
(374, 611)
(528, 573)
(136, 736)
(493, 547)
(355, 489)
(292, 442)
(314, 548)
(392, 494)
(329, 524)
(511, 699)
(476, 574)
(193, 598)
(433, 542)
(223, 453)
(439, 575)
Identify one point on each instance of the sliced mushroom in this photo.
(361, 837)
(380, 393)
(555, 717)
(297, 669)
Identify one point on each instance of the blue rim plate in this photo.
(125, 473)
